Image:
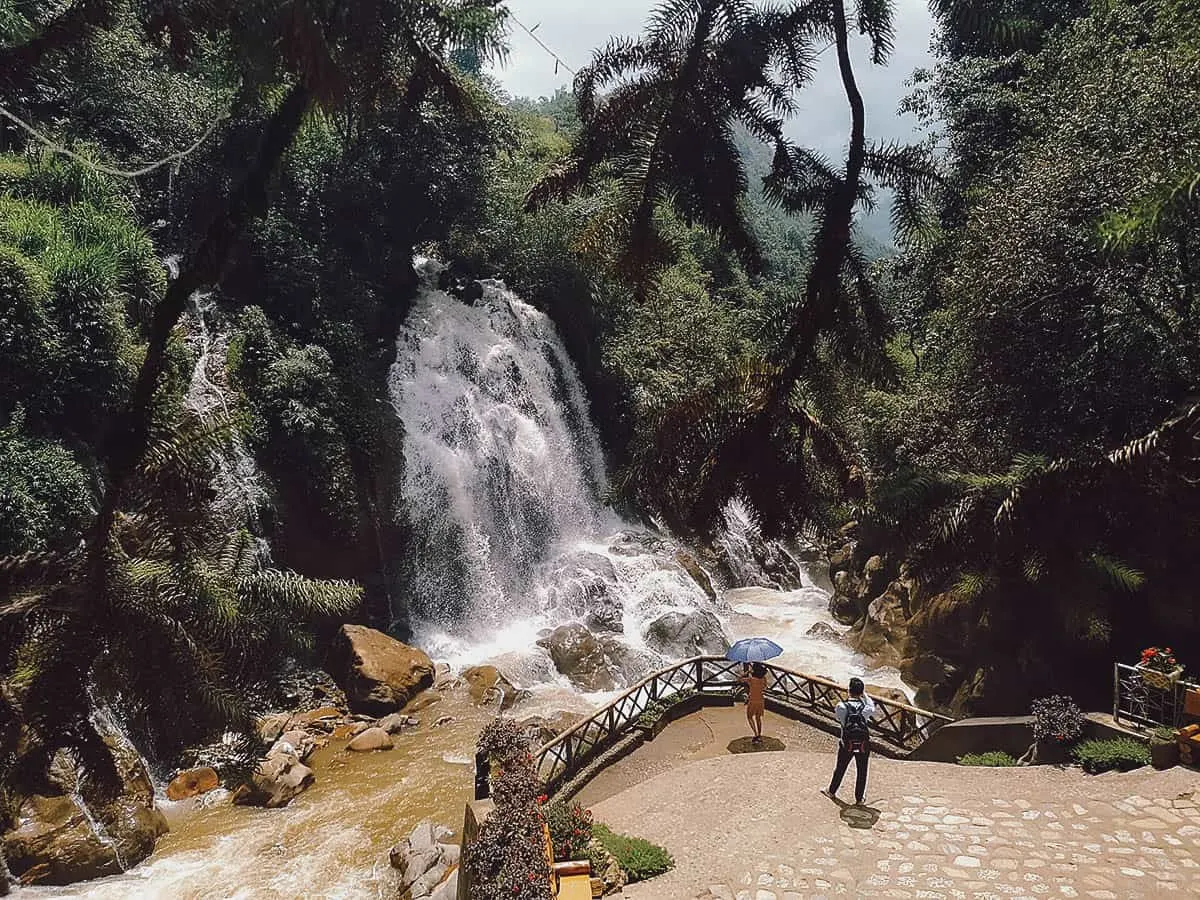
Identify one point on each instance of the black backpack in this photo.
(855, 730)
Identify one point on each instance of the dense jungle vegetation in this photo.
(1004, 407)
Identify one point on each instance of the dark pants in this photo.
(861, 759)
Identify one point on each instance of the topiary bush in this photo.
(639, 858)
(1058, 719)
(508, 857)
(570, 830)
(995, 758)
(1122, 754)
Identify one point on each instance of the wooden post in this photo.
(1117, 692)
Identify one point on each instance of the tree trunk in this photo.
(639, 234)
(833, 238)
(247, 201)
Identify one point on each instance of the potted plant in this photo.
(1057, 724)
(1159, 668)
(1164, 748)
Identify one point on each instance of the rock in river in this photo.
(74, 832)
(193, 783)
(685, 634)
(371, 739)
(379, 674)
(593, 662)
(278, 780)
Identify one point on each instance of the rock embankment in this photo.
(74, 828)
(935, 640)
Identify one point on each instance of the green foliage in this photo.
(45, 495)
(1120, 754)
(570, 830)
(994, 758)
(1163, 735)
(508, 856)
(640, 859)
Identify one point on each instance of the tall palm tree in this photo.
(660, 112)
(757, 436)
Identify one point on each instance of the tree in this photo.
(67, 610)
(659, 115)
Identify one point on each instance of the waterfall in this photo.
(504, 482)
(238, 492)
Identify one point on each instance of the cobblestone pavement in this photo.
(756, 828)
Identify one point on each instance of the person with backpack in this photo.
(853, 715)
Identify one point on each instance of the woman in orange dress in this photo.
(756, 681)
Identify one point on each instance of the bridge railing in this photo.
(899, 724)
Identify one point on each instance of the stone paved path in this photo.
(755, 828)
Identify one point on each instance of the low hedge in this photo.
(995, 758)
(640, 859)
(1122, 754)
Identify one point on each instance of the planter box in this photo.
(1163, 681)
(676, 711)
(1164, 755)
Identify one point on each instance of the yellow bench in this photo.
(570, 880)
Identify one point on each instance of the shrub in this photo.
(1057, 719)
(570, 830)
(1163, 735)
(997, 758)
(640, 859)
(1122, 754)
(508, 857)
(656, 709)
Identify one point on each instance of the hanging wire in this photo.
(174, 158)
(558, 60)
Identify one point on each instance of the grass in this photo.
(640, 859)
(1122, 754)
(996, 758)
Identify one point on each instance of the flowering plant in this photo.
(570, 830)
(1057, 719)
(1159, 660)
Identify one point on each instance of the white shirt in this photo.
(868, 709)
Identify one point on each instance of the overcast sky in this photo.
(574, 28)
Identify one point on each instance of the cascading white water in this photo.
(504, 482)
(503, 492)
(238, 491)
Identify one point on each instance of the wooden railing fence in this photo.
(899, 724)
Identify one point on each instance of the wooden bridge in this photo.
(715, 679)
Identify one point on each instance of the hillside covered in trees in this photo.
(209, 213)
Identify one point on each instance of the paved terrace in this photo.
(754, 827)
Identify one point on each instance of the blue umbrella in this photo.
(753, 650)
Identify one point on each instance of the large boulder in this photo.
(379, 674)
(488, 686)
(593, 662)
(278, 780)
(192, 783)
(883, 634)
(75, 830)
(945, 625)
(682, 635)
(582, 585)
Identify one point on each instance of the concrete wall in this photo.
(1011, 734)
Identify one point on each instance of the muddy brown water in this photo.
(333, 840)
